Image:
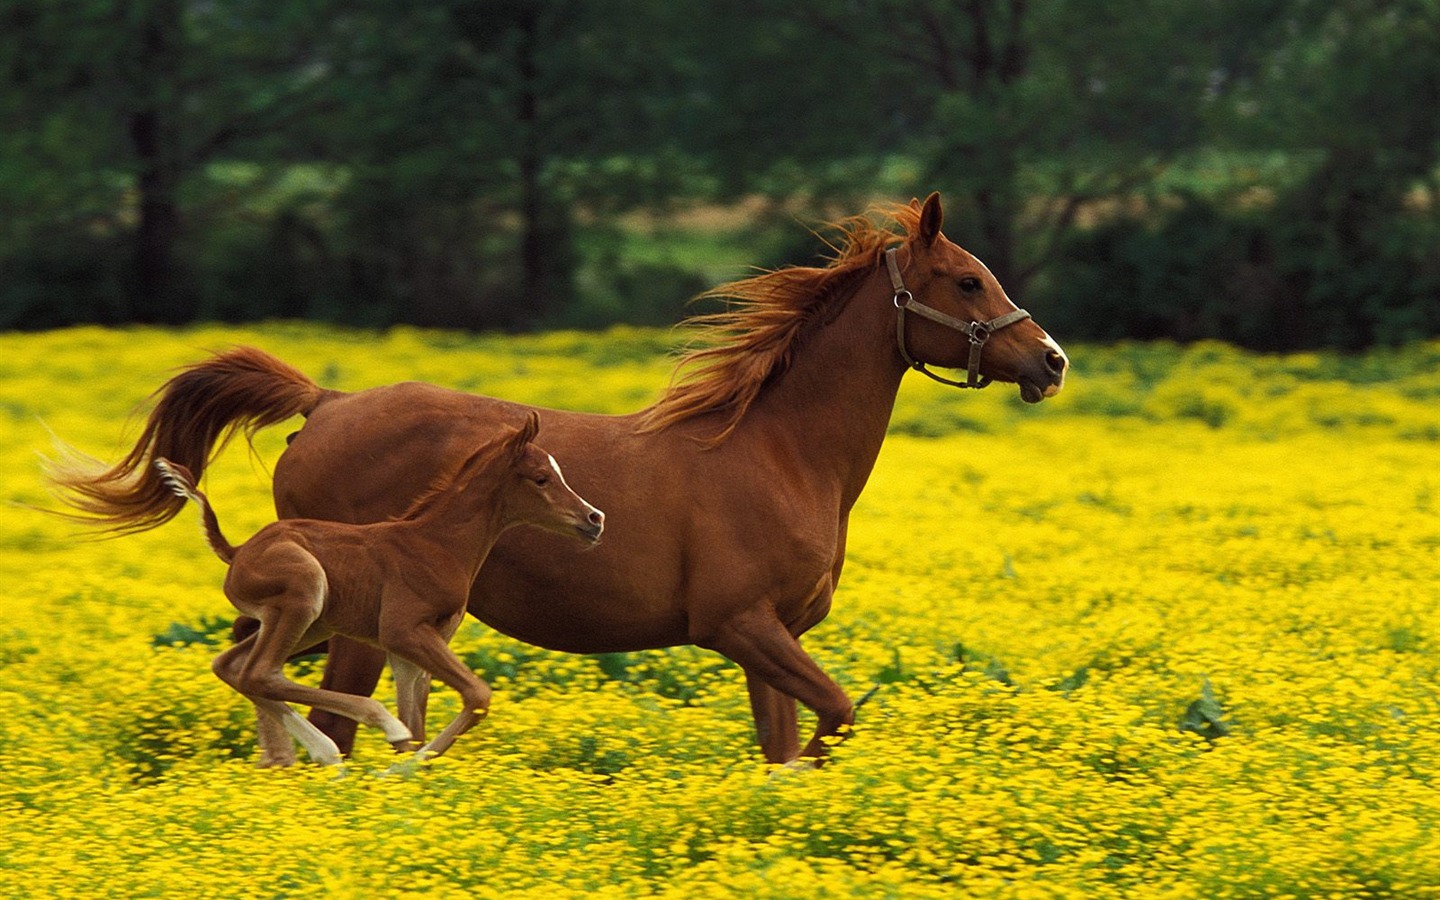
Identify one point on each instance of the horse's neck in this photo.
(833, 404)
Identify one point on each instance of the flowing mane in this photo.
(484, 456)
(741, 349)
(439, 485)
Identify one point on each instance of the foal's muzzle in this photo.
(592, 527)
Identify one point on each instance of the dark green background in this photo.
(1262, 171)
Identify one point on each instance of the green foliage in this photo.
(1205, 716)
(1270, 276)
(685, 675)
(972, 661)
(1273, 183)
(208, 632)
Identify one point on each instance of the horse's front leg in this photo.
(769, 653)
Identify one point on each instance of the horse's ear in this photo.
(915, 203)
(931, 218)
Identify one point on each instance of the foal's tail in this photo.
(198, 412)
(178, 479)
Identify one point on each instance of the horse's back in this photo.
(684, 524)
(363, 457)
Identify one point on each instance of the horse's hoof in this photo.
(800, 764)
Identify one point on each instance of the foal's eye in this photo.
(542, 480)
(970, 284)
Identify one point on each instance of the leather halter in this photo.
(977, 332)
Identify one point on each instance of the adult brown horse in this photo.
(727, 500)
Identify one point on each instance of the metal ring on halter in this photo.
(905, 292)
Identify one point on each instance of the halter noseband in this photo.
(977, 332)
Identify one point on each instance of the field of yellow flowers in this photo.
(1174, 633)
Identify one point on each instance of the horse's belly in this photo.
(572, 624)
(802, 615)
(540, 589)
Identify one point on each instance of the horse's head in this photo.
(953, 313)
(535, 493)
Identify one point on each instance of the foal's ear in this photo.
(531, 427)
(931, 218)
(516, 443)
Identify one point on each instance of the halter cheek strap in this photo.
(977, 332)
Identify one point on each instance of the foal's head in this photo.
(530, 488)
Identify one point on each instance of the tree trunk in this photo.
(155, 135)
(156, 282)
(533, 300)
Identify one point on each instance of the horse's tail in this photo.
(198, 412)
(178, 479)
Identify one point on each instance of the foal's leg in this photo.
(767, 651)
(277, 744)
(412, 693)
(427, 648)
(276, 723)
(263, 677)
(351, 668)
(289, 617)
(276, 747)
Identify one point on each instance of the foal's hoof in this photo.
(406, 767)
(277, 757)
(328, 760)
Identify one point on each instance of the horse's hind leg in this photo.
(292, 724)
(263, 678)
(776, 725)
(277, 746)
(767, 651)
(350, 668)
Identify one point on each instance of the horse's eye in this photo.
(542, 480)
(970, 284)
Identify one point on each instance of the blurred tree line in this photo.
(1262, 171)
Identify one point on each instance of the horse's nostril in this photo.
(597, 518)
(1055, 362)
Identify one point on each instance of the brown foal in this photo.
(399, 585)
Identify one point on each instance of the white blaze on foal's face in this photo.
(593, 519)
